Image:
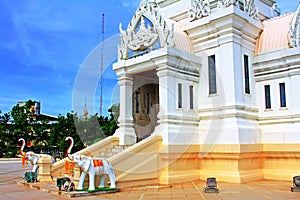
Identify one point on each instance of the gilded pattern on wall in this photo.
(145, 37)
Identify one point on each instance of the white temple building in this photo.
(214, 73)
(213, 87)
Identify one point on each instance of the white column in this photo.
(167, 106)
(125, 132)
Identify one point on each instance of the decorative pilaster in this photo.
(177, 124)
(167, 103)
(125, 132)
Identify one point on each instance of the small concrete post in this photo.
(44, 169)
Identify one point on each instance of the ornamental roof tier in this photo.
(181, 39)
(275, 34)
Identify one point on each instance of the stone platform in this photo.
(50, 187)
(11, 172)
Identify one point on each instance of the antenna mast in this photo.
(101, 69)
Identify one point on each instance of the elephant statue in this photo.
(32, 157)
(92, 166)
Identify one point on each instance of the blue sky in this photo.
(45, 45)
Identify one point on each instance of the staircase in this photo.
(134, 165)
(113, 151)
(102, 154)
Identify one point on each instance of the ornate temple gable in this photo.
(143, 38)
(295, 30)
(199, 9)
(245, 5)
(139, 36)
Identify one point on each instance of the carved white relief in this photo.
(227, 3)
(199, 9)
(251, 8)
(141, 38)
(295, 31)
(248, 6)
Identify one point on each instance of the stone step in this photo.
(113, 151)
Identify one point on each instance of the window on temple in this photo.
(137, 102)
(179, 95)
(191, 97)
(246, 74)
(267, 97)
(282, 95)
(212, 74)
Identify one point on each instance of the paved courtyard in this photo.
(11, 171)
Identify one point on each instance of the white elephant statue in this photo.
(32, 157)
(92, 166)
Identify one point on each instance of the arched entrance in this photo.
(145, 103)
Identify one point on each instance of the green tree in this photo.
(109, 125)
(30, 126)
(89, 129)
(5, 133)
(23, 122)
(65, 127)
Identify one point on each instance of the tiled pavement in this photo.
(193, 190)
(10, 172)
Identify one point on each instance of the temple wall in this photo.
(150, 162)
(229, 135)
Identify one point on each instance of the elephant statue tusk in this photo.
(70, 147)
